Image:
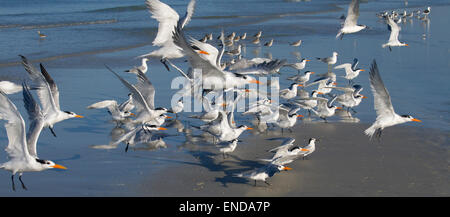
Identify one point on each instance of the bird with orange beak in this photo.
(261, 174)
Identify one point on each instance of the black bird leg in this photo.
(267, 183)
(23, 185)
(53, 132)
(126, 148)
(163, 61)
(12, 181)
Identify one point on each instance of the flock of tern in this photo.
(217, 78)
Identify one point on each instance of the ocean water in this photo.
(85, 35)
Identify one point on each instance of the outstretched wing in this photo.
(167, 18)
(382, 100)
(352, 13)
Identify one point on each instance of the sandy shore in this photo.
(409, 161)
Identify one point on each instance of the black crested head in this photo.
(41, 161)
(406, 116)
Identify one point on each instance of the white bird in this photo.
(350, 24)
(325, 107)
(329, 60)
(212, 110)
(351, 96)
(286, 153)
(18, 150)
(386, 115)
(258, 34)
(302, 79)
(290, 92)
(177, 107)
(168, 19)
(140, 134)
(236, 51)
(9, 87)
(263, 173)
(307, 103)
(143, 98)
(351, 72)
(310, 148)
(287, 118)
(143, 67)
(48, 94)
(323, 84)
(299, 65)
(230, 147)
(393, 37)
(113, 108)
(427, 11)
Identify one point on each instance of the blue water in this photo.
(85, 35)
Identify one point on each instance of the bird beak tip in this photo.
(57, 166)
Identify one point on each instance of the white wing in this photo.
(352, 13)
(146, 88)
(382, 100)
(167, 18)
(394, 28)
(36, 117)
(15, 129)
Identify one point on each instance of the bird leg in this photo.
(255, 183)
(267, 183)
(12, 180)
(390, 49)
(342, 36)
(126, 148)
(53, 132)
(163, 61)
(23, 185)
(353, 110)
(324, 119)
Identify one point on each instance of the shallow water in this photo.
(85, 35)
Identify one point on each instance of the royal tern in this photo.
(167, 19)
(287, 118)
(386, 115)
(307, 103)
(18, 150)
(177, 107)
(286, 153)
(350, 24)
(212, 109)
(323, 84)
(263, 173)
(290, 92)
(9, 87)
(229, 147)
(298, 65)
(310, 147)
(325, 108)
(393, 37)
(143, 67)
(141, 134)
(264, 68)
(351, 72)
(113, 108)
(302, 79)
(48, 94)
(143, 98)
(351, 96)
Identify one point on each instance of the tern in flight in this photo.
(386, 115)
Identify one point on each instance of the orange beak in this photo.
(168, 117)
(334, 83)
(79, 116)
(416, 120)
(287, 168)
(312, 72)
(132, 114)
(364, 97)
(362, 70)
(249, 128)
(299, 116)
(406, 45)
(300, 85)
(319, 93)
(307, 60)
(255, 81)
(338, 107)
(203, 52)
(162, 128)
(57, 166)
(304, 149)
(247, 90)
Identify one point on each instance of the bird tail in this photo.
(238, 175)
(339, 34)
(370, 131)
(266, 160)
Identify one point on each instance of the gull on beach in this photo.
(350, 24)
(386, 115)
(229, 147)
(329, 60)
(48, 94)
(325, 108)
(287, 118)
(351, 96)
(19, 150)
(393, 37)
(143, 67)
(168, 19)
(307, 103)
